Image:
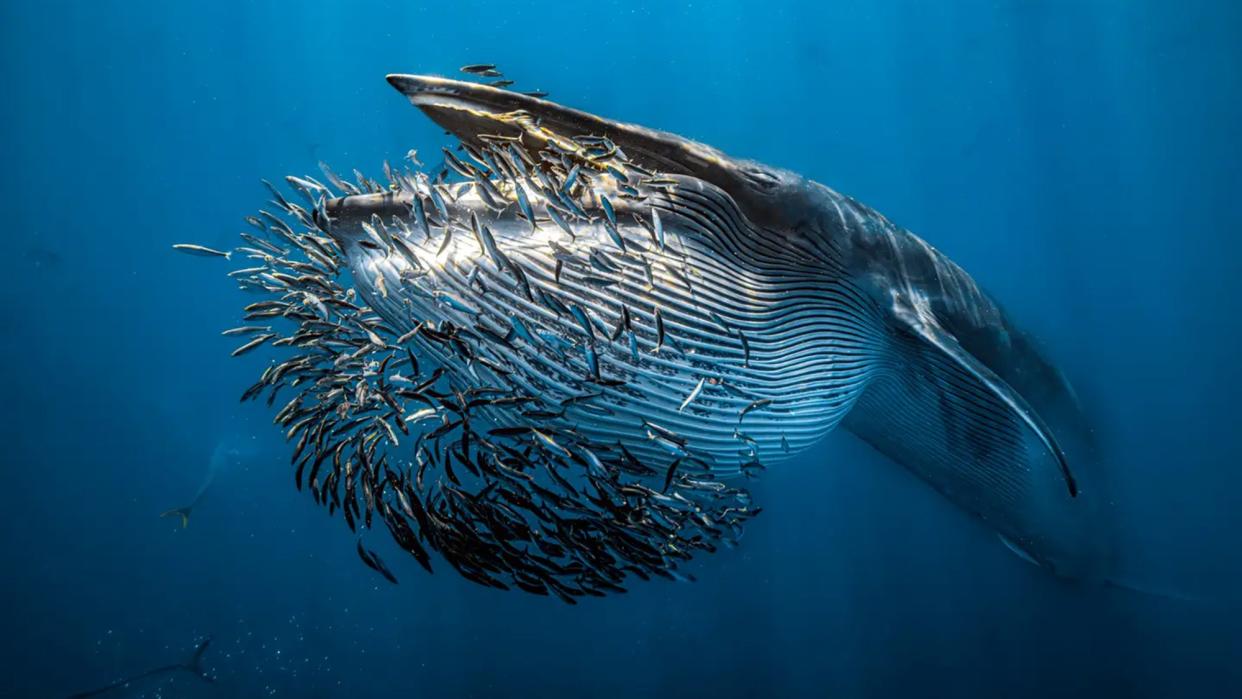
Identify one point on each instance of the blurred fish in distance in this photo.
(225, 455)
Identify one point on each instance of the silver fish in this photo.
(200, 251)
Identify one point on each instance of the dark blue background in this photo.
(1080, 159)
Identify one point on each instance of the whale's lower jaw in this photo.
(758, 351)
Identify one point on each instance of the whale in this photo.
(621, 301)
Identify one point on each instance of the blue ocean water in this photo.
(1080, 159)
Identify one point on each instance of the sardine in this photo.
(200, 251)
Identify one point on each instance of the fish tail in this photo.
(195, 664)
(182, 512)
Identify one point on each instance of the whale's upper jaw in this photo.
(466, 109)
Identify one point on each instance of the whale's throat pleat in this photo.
(760, 345)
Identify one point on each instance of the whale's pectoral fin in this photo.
(931, 332)
(946, 416)
(469, 110)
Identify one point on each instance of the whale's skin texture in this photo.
(808, 344)
(697, 314)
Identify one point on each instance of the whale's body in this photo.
(714, 308)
